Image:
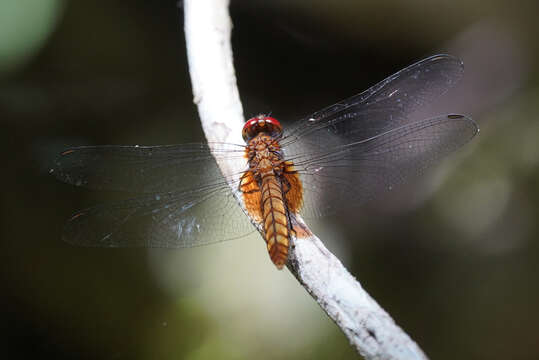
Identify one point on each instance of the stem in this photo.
(368, 327)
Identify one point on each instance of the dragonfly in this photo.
(334, 159)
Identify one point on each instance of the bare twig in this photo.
(368, 327)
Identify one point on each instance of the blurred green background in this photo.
(453, 256)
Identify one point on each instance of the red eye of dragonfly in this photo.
(337, 158)
(261, 123)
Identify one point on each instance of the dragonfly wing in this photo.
(145, 169)
(167, 220)
(384, 106)
(353, 173)
(186, 201)
(354, 149)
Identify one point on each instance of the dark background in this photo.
(453, 256)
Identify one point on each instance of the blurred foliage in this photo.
(454, 256)
(25, 26)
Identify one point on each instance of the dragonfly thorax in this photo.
(264, 155)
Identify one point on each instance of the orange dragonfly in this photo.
(339, 156)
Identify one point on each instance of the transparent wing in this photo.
(349, 152)
(170, 220)
(144, 169)
(384, 106)
(349, 175)
(187, 201)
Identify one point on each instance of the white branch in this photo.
(368, 327)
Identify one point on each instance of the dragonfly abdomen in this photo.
(275, 219)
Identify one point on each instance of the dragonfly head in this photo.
(261, 123)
